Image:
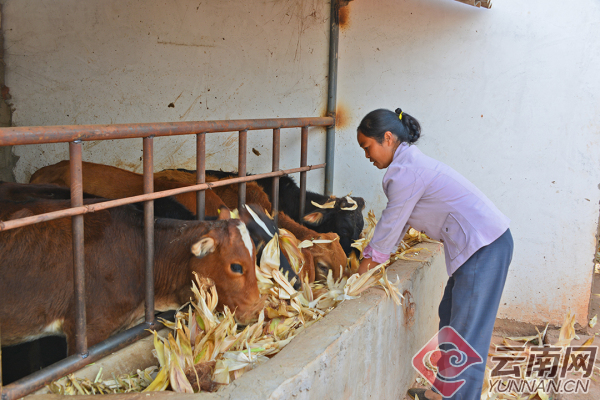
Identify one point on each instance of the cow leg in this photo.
(93, 334)
(69, 330)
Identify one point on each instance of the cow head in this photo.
(262, 229)
(329, 256)
(344, 218)
(227, 256)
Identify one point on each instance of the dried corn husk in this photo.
(270, 256)
(135, 382)
(202, 337)
(289, 244)
(329, 204)
(567, 331)
(413, 237)
(366, 234)
(413, 251)
(287, 312)
(405, 251)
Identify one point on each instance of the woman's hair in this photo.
(376, 123)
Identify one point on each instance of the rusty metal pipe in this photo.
(12, 136)
(303, 162)
(200, 174)
(17, 223)
(41, 378)
(275, 188)
(334, 39)
(1, 362)
(78, 250)
(243, 141)
(149, 228)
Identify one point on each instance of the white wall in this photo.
(101, 62)
(509, 97)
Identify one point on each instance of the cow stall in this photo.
(74, 136)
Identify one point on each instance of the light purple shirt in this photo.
(435, 199)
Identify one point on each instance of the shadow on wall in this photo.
(8, 161)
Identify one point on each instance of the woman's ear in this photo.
(389, 138)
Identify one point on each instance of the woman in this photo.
(431, 197)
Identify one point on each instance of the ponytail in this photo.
(376, 123)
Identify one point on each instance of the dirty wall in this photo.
(105, 62)
(507, 96)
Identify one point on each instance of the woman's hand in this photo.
(366, 264)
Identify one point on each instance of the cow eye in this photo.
(237, 268)
(323, 268)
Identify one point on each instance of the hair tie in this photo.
(399, 112)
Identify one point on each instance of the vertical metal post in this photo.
(303, 163)
(78, 254)
(149, 227)
(243, 138)
(334, 35)
(0, 362)
(275, 187)
(200, 174)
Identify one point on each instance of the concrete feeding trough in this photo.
(362, 349)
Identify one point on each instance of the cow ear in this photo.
(205, 246)
(361, 202)
(314, 218)
(25, 212)
(224, 212)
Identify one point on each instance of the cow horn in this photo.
(354, 205)
(330, 204)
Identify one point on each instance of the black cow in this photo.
(348, 224)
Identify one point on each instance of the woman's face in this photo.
(380, 154)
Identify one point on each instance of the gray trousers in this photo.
(470, 304)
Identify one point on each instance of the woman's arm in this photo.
(366, 264)
(403, 188)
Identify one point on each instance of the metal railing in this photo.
(74, 135)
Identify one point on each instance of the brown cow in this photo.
(36, 289)
(112, 182)
(115, 183)
(327, 256)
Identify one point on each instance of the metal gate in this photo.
(74, 135)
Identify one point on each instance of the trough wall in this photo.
(506, 96)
